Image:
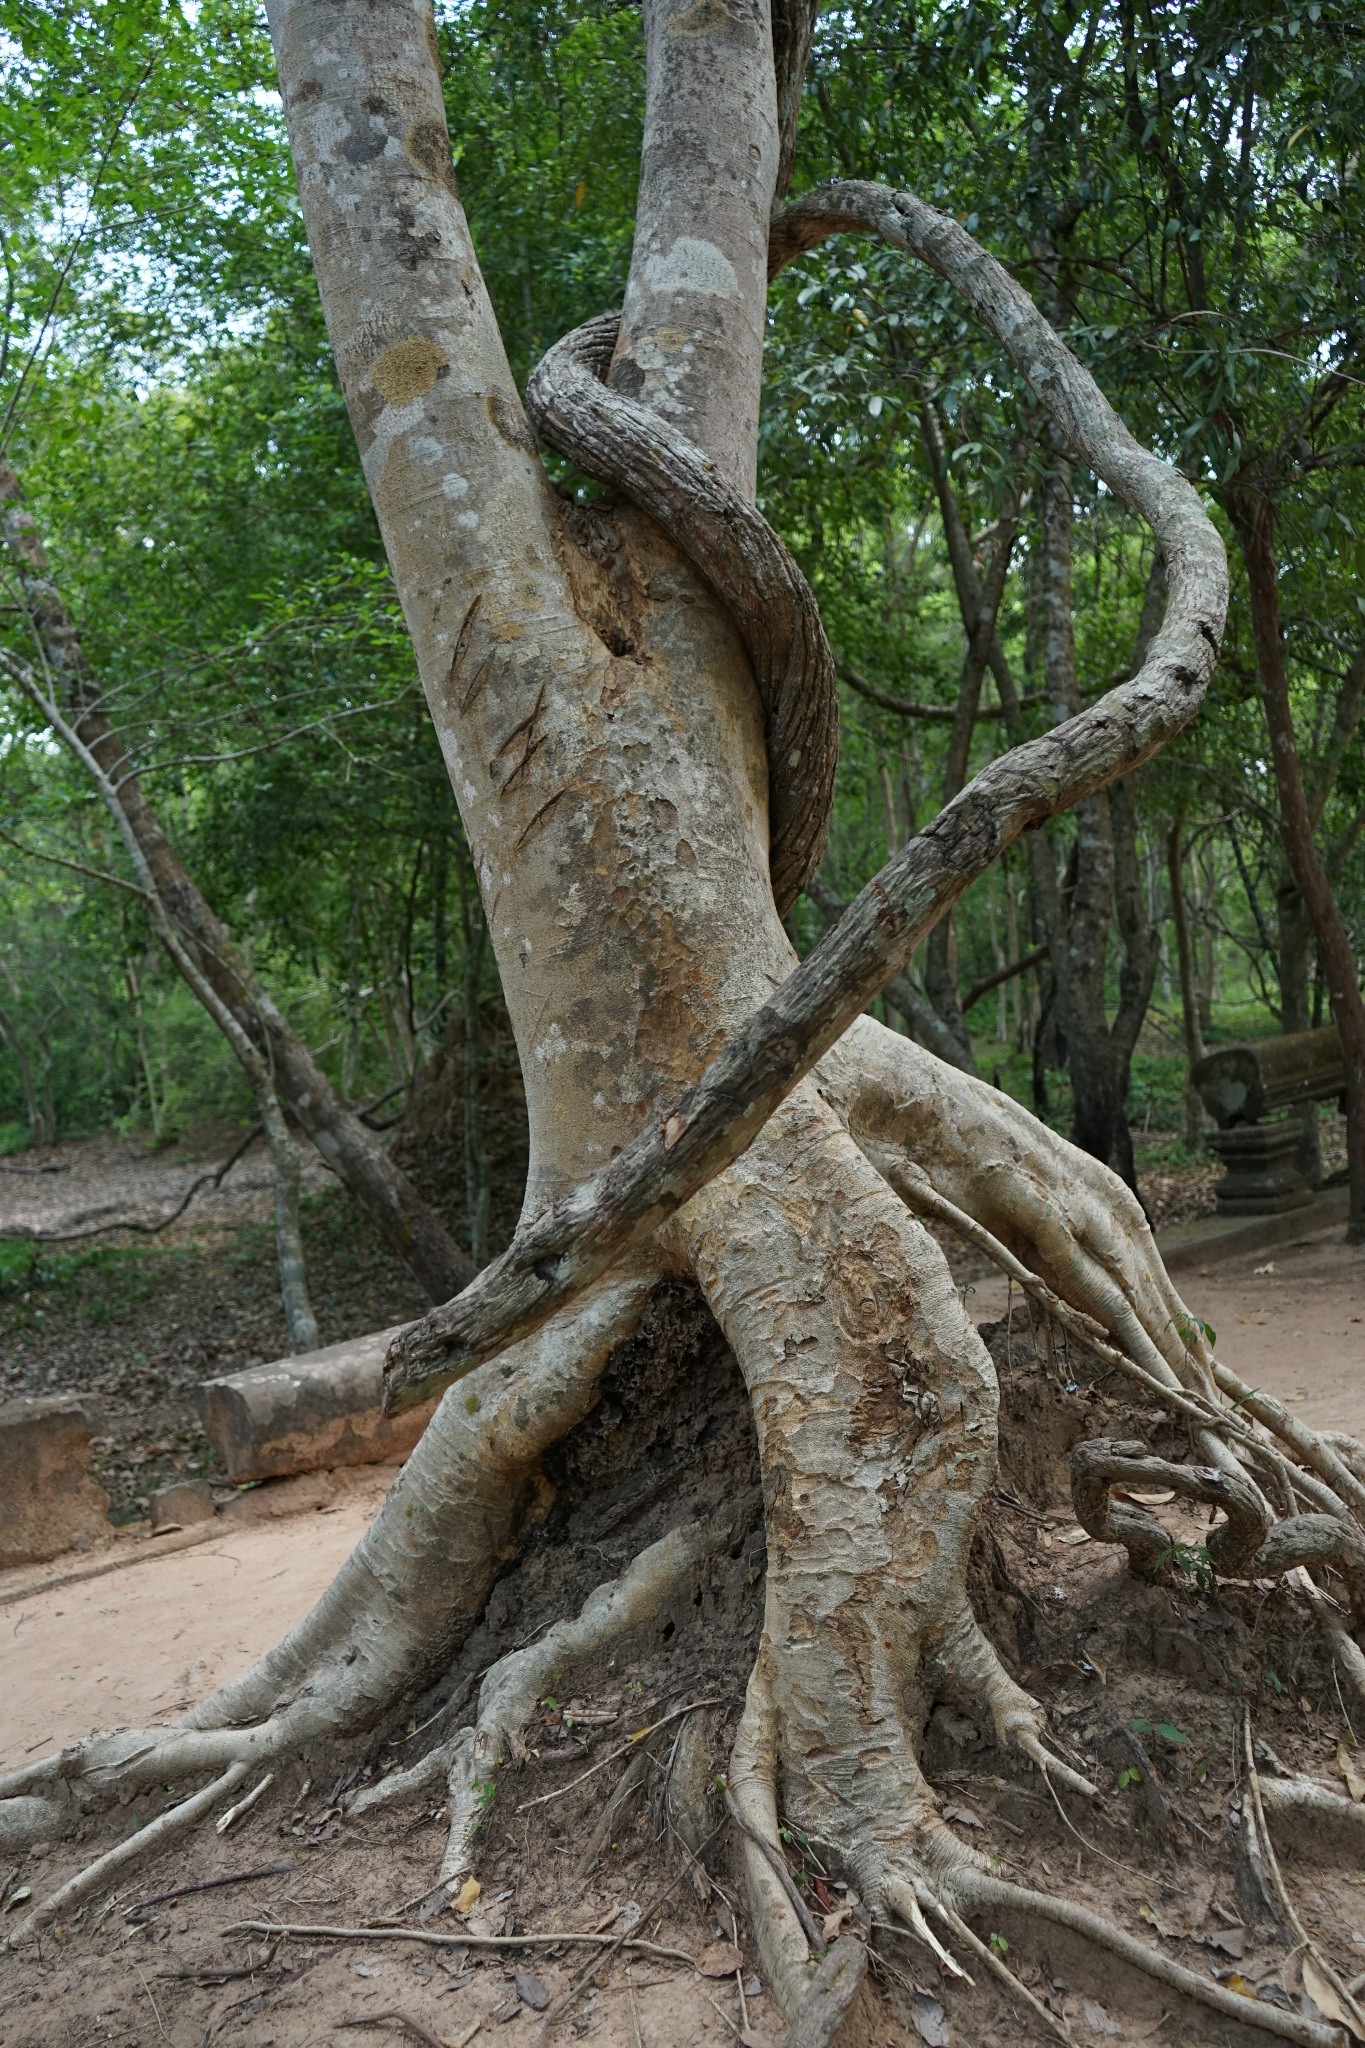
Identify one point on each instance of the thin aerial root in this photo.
(135, 1850)
(1318, 1452)
(1053, 1768)
(981, 1891)
(514, 1687)
(998, 1967)
(769, 1850)
(1330, 1482)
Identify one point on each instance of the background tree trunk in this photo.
(1253, 516)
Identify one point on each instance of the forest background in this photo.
(1179, 187)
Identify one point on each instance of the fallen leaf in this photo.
(1074, 1536)
(964, 1816)
(469, 1894)
(1168, 1928)
(721, 1959)
(531, 1991)
(1151, 1498)
(1268, 1267)
(25, 1891)
(1350, 1771)
(368, 1969)
(1328, 1999)
(1098, 2020)
(832, 1926)
(931, 2021)
(1238, 1983)
(1229, 1941)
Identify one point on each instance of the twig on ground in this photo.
(243, 1806)
(997, 1966)
(620, 1941)
(211, 1884)
(299, 1931)
(544, 1798)
(1272, 1864)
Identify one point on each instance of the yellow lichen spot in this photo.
(407, 368)
(472, 1404)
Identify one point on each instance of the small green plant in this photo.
(1167, 1730)
(1193, 1563)
(1131, 1776)
(1273, 1677)
(999, 1944)
(1191, 1328)
(485, 1798)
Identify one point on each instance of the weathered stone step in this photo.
(307, 1414)
(48, 1501)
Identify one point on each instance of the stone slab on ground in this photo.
(306, 1414)
(1195, 1244)
(49, 1503)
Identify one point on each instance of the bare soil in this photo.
(1144, 1686)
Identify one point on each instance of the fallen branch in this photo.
(211, 1884)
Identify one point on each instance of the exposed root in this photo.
(998, 1967)
(145, 1843)
(1272, 1863)
(1326, 1813)
(26, 1821)
(515, 1686)
(1101, 1465)
(985, 1892)
(831, 1995)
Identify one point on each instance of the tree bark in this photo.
(1252, 510)
(299, 1319)
(1189, 993)
(394, 1207)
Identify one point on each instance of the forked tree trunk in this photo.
(216, 964)
(1253, 517)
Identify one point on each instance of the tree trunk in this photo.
(300, 1322)
(393, 1206)
(1189, 997)
(1253, 516)
(1295, 954)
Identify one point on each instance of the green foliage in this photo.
(168, 396)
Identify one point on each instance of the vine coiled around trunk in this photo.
(620, 442)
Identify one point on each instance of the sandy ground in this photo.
(136, 1646)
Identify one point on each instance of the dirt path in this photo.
(91, 1184)
(136, 1646)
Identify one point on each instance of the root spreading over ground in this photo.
(1021, 1679)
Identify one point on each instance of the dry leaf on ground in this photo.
(721, 1959)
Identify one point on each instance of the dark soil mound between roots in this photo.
(1144, 1686)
